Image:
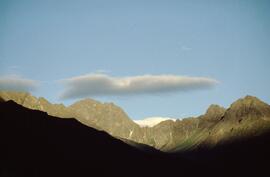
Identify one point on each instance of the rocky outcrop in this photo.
(247, 107)
(105, 116)
(247, 116)
(214, 113)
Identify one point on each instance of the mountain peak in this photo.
(214, 112)
(250, 97)
(249, 105)
(214, 108)
(248, 101)
(86, 101)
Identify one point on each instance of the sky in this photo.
(152, 58)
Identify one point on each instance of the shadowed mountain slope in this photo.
(102, 116)
(243, 157)
(36, 144)
(247, 116)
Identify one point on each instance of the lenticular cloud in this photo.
(17, 83)
(105, 85)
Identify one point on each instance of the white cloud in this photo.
(105, 85)
(17, 83)
(152, 121)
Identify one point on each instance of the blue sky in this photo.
(228, 41)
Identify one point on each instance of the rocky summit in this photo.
(247, 116)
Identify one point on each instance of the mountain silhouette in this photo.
(102, 116)
(36, 144)
(246, 117)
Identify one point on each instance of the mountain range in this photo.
(247, 116)
(34, 144)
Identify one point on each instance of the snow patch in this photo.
(152, 121)
(130, 133)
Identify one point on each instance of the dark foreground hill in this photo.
(36, 144)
